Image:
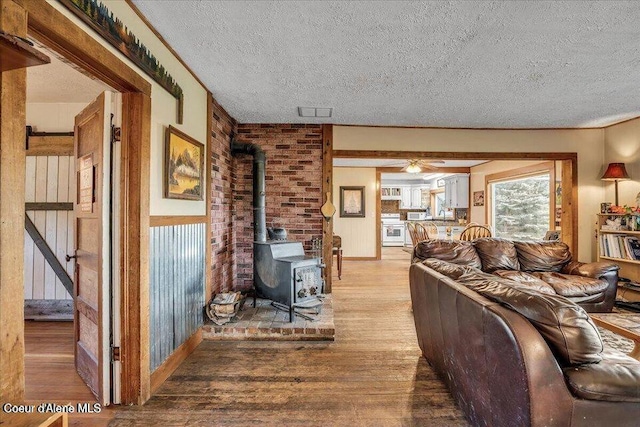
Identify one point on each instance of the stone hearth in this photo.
(265, 322)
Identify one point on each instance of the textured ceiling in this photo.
(444, 64)
(60, 82)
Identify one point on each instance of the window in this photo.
(438, 210)
(520, 206)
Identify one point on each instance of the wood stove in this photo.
(285, 275)
(281, 270)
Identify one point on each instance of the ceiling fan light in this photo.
(413, 168)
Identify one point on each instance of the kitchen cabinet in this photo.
(416, 197)
(391, 193)
(405, 201)
(456, 191)
(412, 197)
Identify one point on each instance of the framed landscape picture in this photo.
(352, 202)
(184, 166)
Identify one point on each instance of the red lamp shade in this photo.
(615, 172)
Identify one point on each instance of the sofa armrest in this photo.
(595, 270)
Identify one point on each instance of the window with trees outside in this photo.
(520, 206)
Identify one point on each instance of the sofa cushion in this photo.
(496, 254)
(569, 285)
(457, 252)
(616, 378)
(526, 279)
(569, 331)
(542, 255)
(449, 269)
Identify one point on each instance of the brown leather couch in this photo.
(514, 356)
(546, 266)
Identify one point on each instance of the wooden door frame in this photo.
(60, 34)
(569, 219)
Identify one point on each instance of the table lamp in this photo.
(615, 172)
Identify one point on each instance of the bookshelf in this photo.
(608, 238)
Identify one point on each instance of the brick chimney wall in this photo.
(223, 268)
(293, 184)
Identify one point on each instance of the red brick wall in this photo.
(293, 184)
(223, 254)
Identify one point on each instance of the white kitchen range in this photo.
(393, 230)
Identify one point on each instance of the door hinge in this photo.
(116, 133)
(115, 354)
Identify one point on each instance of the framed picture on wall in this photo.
(478, 198)
(183, 166)
(351, 202)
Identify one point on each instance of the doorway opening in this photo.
(69, 306)
(451, 191)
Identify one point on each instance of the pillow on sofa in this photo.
(457, 252)
(569, 331)
(496, 254)
(542, 255)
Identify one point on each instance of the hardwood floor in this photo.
(372, 375)
(50, 374)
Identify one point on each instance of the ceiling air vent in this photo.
(314, 112)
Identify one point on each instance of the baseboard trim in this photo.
(164, 371)
(360, 258)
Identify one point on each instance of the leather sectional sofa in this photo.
(542, 265)
(513, 355)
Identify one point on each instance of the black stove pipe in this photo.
(259, 161)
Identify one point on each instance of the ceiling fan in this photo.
(418, 165)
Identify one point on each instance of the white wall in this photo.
(588, 143)
(358, 234)
(622, 145)
(163, 105)
(53, 117)
(477, 182)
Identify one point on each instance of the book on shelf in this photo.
(633, 246)
(620, 246)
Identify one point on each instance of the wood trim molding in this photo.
(48, 206)
(208, 277)
(165, 370)
(327, 187)
(569, 215)
(161, 220)
(438, 170)
(457, 155)
(360, 258)
(49, 145)
(136, 142)
(13, 87)
(59, 33)
(164, 42)
(463, 128)
(378, 214)
(520, 172)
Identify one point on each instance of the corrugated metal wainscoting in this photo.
(177, 287)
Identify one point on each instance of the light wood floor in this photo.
(372, 375)
(50, 374)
